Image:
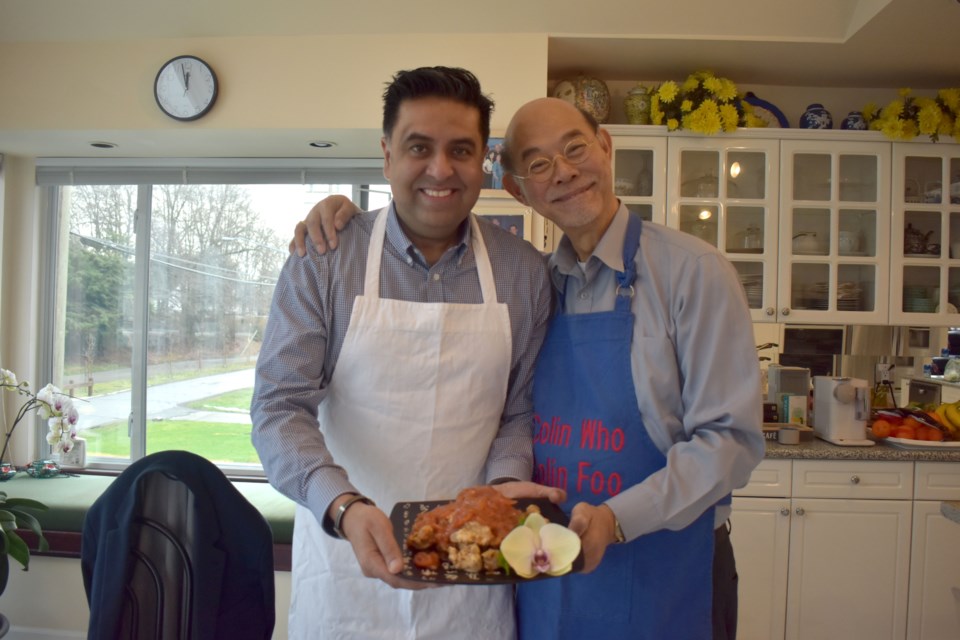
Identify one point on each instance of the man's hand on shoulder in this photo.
(325, 219)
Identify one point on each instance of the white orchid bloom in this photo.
(538, 547)
(8, 377)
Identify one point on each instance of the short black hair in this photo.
(435, 82)
(506, 160)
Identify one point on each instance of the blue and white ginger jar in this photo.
(816, 117)
(854, 122)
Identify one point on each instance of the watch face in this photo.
(185, 88)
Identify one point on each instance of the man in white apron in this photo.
(417, 340)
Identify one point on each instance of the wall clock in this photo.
(185, 88)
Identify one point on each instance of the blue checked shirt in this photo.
(308, 320)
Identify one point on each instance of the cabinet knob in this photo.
(799, 511)
(785, 311)
(784, 511)
(855, 479)
(770, 311)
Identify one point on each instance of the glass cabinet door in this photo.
(925, 278)
(724, 191)
(639, 173)
(833, 233)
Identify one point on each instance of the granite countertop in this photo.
(951, 509)
(817, 449)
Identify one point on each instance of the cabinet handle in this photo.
(799, 511)
(855, 479)
(784, 511)
(770, 311)
(785, 311)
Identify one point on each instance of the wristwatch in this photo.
(342, 509)
(618, 531)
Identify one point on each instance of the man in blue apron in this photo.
(646, 397)
(417, 340)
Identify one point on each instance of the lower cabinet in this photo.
(824, 551)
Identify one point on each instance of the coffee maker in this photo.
(841, 408)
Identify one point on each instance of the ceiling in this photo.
(822, 43)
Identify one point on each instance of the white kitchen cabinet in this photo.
(724, 190)
(935, 555)
(925, 246)
(640, 172)
(834, 231)
(822, 537)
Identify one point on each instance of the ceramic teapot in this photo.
(806, 242)
(914, 240)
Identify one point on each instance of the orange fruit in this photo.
(881, 428)
(935, 435)
(911, 422)
(907, 433)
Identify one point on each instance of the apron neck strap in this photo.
(625, 278)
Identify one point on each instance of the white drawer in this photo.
(852, 479)
(937, 481)
(771, 479)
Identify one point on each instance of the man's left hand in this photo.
(596, 526)
(522, 489)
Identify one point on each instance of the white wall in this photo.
(48, 601)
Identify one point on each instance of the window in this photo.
(159, 299)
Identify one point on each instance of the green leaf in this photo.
(4, 571)
(18, 550)
(27, 521)
(27, 503)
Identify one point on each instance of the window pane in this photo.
(215, 254)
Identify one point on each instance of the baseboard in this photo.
(33, 633)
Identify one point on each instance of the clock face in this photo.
(185, 88)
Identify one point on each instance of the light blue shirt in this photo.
(694, 365)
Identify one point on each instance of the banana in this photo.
(952, 419)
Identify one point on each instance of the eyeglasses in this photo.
(575, 152)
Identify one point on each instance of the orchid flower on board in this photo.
(538, 546)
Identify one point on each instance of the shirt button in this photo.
(436, 277)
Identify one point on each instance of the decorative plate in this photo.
(767, 111)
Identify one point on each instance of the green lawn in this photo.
(218, 441)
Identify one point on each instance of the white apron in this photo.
(411, 411)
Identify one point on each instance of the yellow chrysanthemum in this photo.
(668, 91)
(950, 99)
(673, 124)
(713, 85)
(686, 106)
(869, 112)
(905, 92)
(729, 117)
(892, 111)
(928, 118)
(727, 91)
(704, 119)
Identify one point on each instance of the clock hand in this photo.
(186, 84)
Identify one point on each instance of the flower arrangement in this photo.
(704, 103)
(51, 404)
(909, 116)
(538, 546)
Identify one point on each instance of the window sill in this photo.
(70, 497)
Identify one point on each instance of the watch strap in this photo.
(342, 509)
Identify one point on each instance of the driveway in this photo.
(165, 401)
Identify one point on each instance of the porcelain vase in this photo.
(854, 122)
(816, 117)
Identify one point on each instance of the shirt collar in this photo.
(405, 247)
(609, 250)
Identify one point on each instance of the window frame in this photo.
(54, 174)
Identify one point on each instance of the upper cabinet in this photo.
(724, 191)
(834, 232)
(821, 226)
(925, 248)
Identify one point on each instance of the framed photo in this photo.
(492, 169)
(507, 214)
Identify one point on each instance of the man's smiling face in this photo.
(434, 162)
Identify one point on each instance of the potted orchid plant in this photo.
(15, 513)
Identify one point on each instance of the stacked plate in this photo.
(753, 287)
(848, 296)
(916, 299)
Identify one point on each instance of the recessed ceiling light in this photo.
(323, 144)
(103, 145)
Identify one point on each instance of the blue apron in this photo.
(591, 441)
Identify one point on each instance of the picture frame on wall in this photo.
(492, 168)
(508, 214)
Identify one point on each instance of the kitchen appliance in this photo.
(923, 393)
(841, 408)
(794, 381)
